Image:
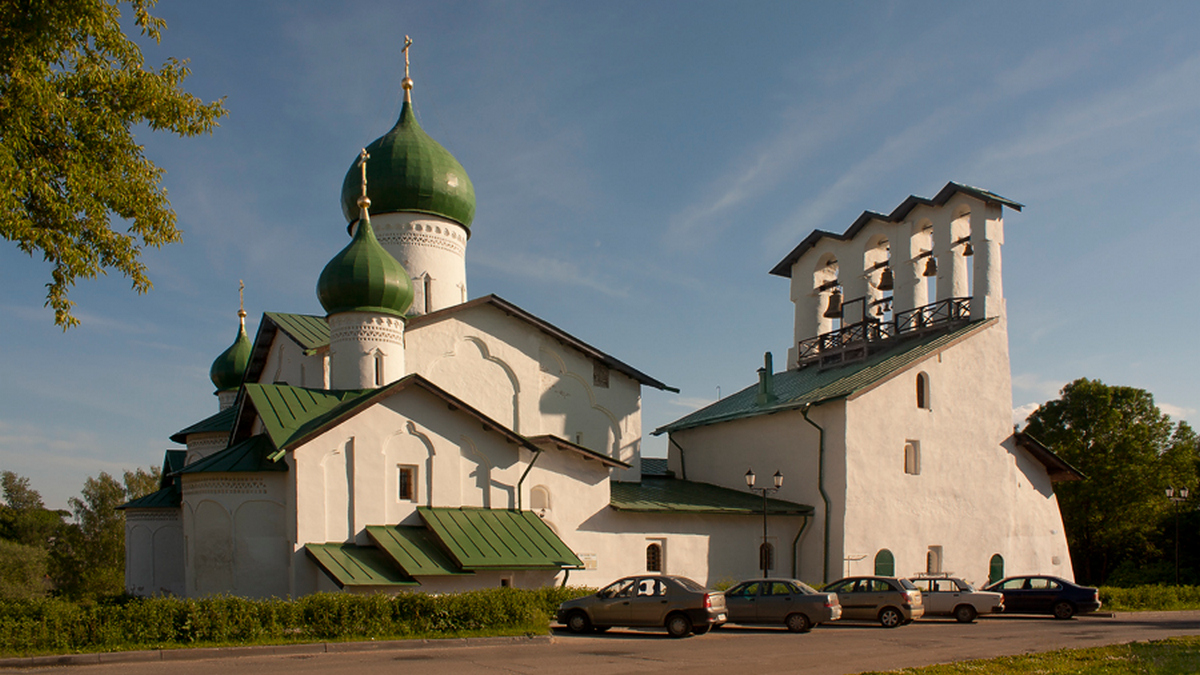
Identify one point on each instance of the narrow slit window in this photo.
(407, 483)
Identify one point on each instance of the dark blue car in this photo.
(1038, 594)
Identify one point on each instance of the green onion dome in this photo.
(363, 277)
(229, 368)
(409, 171)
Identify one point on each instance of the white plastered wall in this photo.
(202, 445)
(975, 495)
(235, 534)
(523, 378)
(287, 363)
(154, 552)
(433, 252)
(721, 454)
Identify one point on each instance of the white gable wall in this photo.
(523, 378)
(286, 363)
(974, 496)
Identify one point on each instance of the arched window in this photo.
(885, 564)
(923, 391)
(654, 558)
(766, 557)
(912, 458)
(996, 569)
(378, 368)
(933, 560)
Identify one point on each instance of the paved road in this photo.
(837, 649)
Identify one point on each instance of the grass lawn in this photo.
(1163, 657)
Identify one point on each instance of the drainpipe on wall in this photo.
(682, 464)
(795, 543)
(821, 486)
(536, 454)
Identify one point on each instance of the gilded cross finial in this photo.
(242, 302)
(407, 82)
(364, 201)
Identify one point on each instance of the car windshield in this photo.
(689, 584)
(968, 587)
(907, 584)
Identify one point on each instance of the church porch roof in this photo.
(351, 565)
(220, 422)
(250, 455)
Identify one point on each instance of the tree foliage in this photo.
(1130, 452)
(89, 558)
(24, 519)
(72, 87)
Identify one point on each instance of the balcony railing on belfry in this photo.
(859, 340)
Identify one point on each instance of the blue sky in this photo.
(639, 167)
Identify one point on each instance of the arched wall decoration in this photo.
(411, 429)
(885, 563)
(486, 355)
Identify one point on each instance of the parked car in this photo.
(890, 601)
(950, 596)
(1040, 594)
(678, 604)
(781, 601)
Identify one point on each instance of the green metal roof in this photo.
(220, 422)
(310, 332)
(409, 171)
(364, 277)
(672, 495)
(250, 455)
(495, 539)
(172, 462)
(415, 549)
(811, 385)
(351, 565)
(288, 412)
(166, 498)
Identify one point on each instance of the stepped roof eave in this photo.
(784, 267)
(662, 494)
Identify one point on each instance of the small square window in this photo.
(407, 483)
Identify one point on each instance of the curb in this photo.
(201, 653)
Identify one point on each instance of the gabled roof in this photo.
(784, 267)
(249, 455)
(562, 444)
(480, 539)
(672, 495)
(811, 385)
(1058, 469)
(220, 422)
(166, 498)
(351, 565)
(546, 327)
(292, 416)
(308, 331)
(656, 467)
(415, 549)
(172, 462)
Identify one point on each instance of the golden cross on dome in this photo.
(242, 301)
(407, 82)
(362, 161)
(407, 44)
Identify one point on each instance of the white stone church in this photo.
(410, 438)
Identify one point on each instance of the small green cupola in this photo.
(363, 277)
(229, 368)
(410, 171)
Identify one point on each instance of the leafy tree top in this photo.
(72, 87)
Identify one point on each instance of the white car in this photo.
(950, 596)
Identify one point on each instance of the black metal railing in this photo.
(857, 340)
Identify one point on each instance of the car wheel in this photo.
(701, 630)
(890, 617)
(678, 625)
(965, 614)
(1064, 610)
(578, 622)
(798, 623)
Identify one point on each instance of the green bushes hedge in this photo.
(1150, 598)
(51, 625)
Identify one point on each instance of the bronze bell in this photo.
(887, 281)
(968, 250)
(931, 267)
(834, 311)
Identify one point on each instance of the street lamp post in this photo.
(1177, 500)
(778, 477)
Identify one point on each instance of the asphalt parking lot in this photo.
(835, 649)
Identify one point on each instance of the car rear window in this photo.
(907, 584)
(690, 585)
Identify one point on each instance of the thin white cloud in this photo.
(1022, 413)
(555, 271)
(1035, 384)
(1177, 412)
